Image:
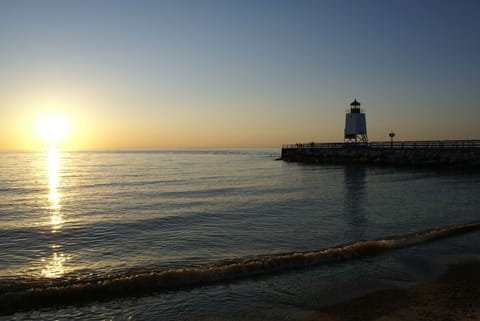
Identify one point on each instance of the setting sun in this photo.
(52, 129)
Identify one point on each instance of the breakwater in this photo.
(452, 153)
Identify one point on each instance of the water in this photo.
(218, 235)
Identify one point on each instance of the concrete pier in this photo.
(451, 153)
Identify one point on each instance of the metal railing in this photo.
(314, 145)
(423, 144)
(428, 144)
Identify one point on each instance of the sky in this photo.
(237, 74)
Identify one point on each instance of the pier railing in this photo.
(425, 144)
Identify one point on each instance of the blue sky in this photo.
(162, 74)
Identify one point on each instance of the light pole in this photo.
(392, 134)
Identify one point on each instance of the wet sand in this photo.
(454, 296)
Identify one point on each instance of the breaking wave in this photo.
(23, 294)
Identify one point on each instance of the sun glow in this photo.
(52, 129)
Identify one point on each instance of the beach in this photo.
(453, 296)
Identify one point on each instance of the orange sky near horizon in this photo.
(100, 125)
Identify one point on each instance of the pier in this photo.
(453, 153)
(356, 149)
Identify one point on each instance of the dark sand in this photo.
(454, 296)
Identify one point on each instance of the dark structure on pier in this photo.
(357, 150)
(457, 153)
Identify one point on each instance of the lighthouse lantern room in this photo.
(355, 124)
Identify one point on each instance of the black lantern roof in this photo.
(355, 103)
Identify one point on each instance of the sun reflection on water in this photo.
(54, 196)
(53, 266)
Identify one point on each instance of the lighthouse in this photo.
(355, 124)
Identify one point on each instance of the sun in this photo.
(52, 129)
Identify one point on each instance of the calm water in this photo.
(212, 235)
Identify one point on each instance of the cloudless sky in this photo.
(176, 74)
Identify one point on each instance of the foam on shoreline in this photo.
(24, 294)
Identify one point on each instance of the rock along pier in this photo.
(450, 153)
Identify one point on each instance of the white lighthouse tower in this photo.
(355, 124)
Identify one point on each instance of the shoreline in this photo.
(455, 295)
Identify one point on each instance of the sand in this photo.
(454, 296)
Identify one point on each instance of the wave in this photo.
(23, 294)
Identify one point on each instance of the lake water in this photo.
(218, 234)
